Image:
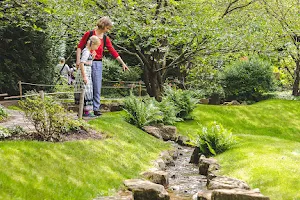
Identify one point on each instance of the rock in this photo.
(195, 156)
(223, 182)
(162, 132)
(233, 102)
(207, 165)
(204, 101)
(115, 107)
(174, 153)
(152, 130)
(104, 107)
(146, 190)
(159, 163)
(183, 140)
(237, 194)
(214, 99)
(158, 177)
(204, 195)
(168, 133)
(168, 160)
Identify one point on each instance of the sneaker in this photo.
(90, 114)
(97, 113)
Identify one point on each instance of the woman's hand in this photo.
(125, 67)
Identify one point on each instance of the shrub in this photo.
(15, 131)
(214, 139)
(4, 133)
(140, 113)
(247, 80)
(49, 118)
(3, 114)
(182, 99)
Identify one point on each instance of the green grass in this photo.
(13, 107)
(77, 169)
(267, 155)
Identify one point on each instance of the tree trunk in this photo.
(297, 79)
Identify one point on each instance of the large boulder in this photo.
(223, 182)
(207, 166)
(169, 133)
(195, 156)
(203, 195)
(157, 176)
(153, 130)
(146, 190)
(237, 194)
(162, 132)
(115, 107)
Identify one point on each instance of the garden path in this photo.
(17, 118)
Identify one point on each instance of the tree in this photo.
(159, 35)
(276, 27)
(24, 45)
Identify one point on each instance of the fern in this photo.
(140, 113)
(214, 139)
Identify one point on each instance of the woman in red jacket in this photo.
(103, 25)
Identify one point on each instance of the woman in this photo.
(103, 25)
(84, 76)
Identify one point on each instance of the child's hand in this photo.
(85, 80)
(88, 63)
(94, 54)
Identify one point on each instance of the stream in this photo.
(184, 177)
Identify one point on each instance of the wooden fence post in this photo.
(42, 94)
(81, 103)
(140, 88)
(20, 88)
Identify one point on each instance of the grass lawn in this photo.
(267, 155)
(78, 169)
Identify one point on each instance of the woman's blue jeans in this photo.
(97, 83)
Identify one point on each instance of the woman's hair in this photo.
(94, 40)
(104, 22)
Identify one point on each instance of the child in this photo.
(71, 75)
(83, 78)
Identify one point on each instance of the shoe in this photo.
(90, 114)
(97, 113)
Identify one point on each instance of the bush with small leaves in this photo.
(3, 114)
(4, 133)
(247, 80)
(49, 118)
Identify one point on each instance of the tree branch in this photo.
(130, 53)
(229, 9)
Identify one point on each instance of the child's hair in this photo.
(104, 22)
(94, 40)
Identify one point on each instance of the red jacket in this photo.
(99, 51)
